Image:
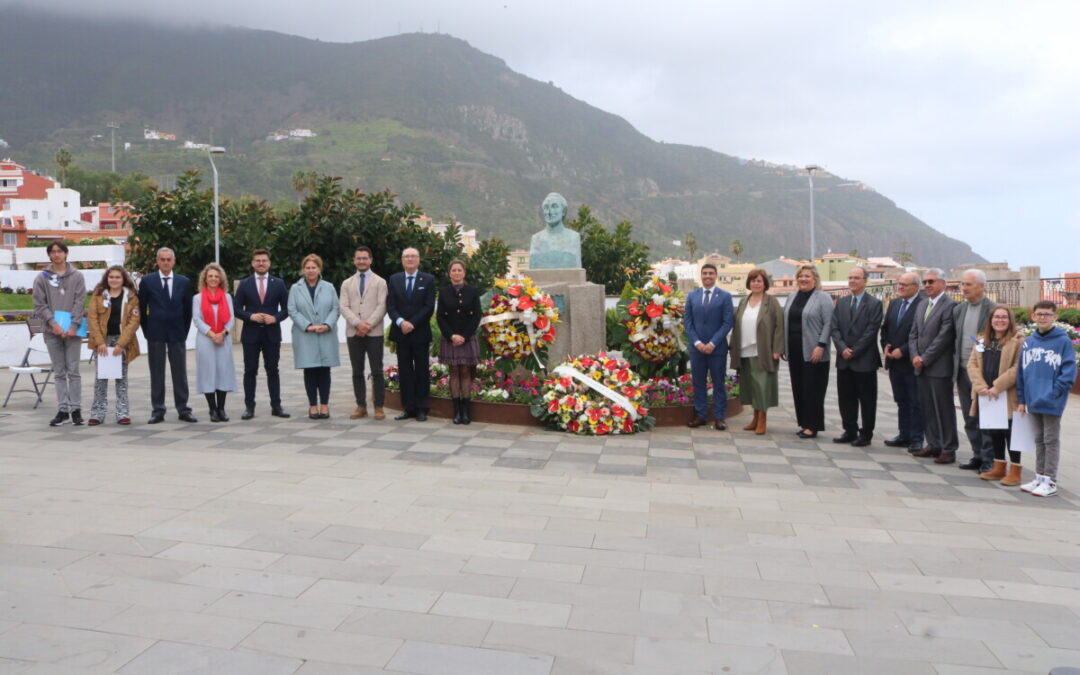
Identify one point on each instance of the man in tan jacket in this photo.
(363, 304)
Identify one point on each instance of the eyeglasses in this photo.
(1044, 315)
(901, 283)
(927, 282)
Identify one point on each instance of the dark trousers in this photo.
(413, 359)
(905, 390)
(809, 383)
(857, 391)
(998, 441)
(176, 352)
(271, 354)
(938, 412)
(372, 347)
(702, 368)
(971, 422)
(317, 385)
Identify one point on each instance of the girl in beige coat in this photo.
(992, 369)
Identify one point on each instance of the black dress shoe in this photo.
(803, 434)
(421, 416)
(719, 425)
(247, 414)
(972, 464)
(406, 416)
(696, 422)
(156, 418)
(926, 452)
(187, 417)
(845, 437)
(278, 412)
(916, 446)
(861, 442)
(897, 442)
(221, 415)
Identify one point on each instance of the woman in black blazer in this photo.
(458, 316)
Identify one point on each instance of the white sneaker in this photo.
(1047, 488)
(1033, 483)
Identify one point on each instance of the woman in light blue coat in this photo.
(313, 308)
(808, 326)
(212, 313)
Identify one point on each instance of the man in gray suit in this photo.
(855, 323)
(933, 345)
(969, 318)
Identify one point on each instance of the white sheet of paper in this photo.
(994, 413)
(110, 367)
(1023, 433)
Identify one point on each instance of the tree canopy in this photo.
(610, 258)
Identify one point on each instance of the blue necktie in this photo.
(903, 308)
(408, 286)
(362, 277)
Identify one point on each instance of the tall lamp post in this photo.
(210, 152)
(112, 136)
(810, 169)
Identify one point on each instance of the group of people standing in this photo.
(165, 305)
(931, 345)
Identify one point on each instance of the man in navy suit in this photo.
(895, 332)
(708, 319)
(165, 307)
(410, 302)
(262, 303)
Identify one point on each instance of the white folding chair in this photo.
(37, 345)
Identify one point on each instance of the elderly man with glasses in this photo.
(932, 346)
(969, 318)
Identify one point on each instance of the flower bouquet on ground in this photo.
(679, 391)
(652, 316)
(519, 324)
(594, 395)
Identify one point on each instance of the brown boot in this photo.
(761, 424)
(359, 413)
(997, 473)
(379, 413)
(753, 422)
(1014, 475)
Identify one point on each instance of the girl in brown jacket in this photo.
(112, 319)
(994, 361)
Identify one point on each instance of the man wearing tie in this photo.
(165, 302)
(708, 319)
(931, 346)
(363, 304)
(895, 332)
(855, 324)
(262, 303)
(410, 302)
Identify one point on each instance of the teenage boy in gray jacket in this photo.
(59, 297)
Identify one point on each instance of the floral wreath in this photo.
(594, 395)
(653, 316)
(519, 323)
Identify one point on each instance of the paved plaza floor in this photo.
(331, 547)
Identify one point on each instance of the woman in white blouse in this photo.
(757, 342)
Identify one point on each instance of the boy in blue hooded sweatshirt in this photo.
(1043, 381)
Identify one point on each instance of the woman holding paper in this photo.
(994, 360)
(112, 319)
(212, 313)
(59, 298)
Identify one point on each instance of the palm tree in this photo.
(736, 249)
(690, 241)
(304, 182)
(63, 160)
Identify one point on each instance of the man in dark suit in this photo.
(969, 318)
(165, 304)
(855, 324)
(895, 332)
(708, 319)
(931, 345)
(410, 302)
(262, 303)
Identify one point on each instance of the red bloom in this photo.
(628, 426)
(541, 322)
(573, 426)
(623, 375)
(549, 337)
(553, 405)
(654, 310)
(664, 287)
(633, 309)
(586, 362)
(525, 302)
(595, 414)
(564, 382)
(602, 428)
(514, 290)
(611, 364)
(617, 411)
(548, 302)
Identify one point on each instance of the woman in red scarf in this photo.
(213, 317)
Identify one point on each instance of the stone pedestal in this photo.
(582, 327)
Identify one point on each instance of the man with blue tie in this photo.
(165, 302)
(895, 332)
(410, 302)
(708, 319)
(262, 303)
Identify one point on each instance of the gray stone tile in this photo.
(318, 645)
(416, 626)
(426, 457)
(520, 463)
(815, 663)
(170, 658)
(435, 659)
(71, 647)
(620, 469)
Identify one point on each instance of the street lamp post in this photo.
(210, 152)
(810, 169)
(112, 137)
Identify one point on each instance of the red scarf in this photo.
(216, 320)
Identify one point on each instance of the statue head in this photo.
(554, 209)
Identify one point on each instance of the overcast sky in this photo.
(967, 114)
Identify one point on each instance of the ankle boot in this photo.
(211, 402)
(997, 473)
(221, 406)
(1013, 477)
(761, 429)
(457, 410)
(465, 411)
(753, 422)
